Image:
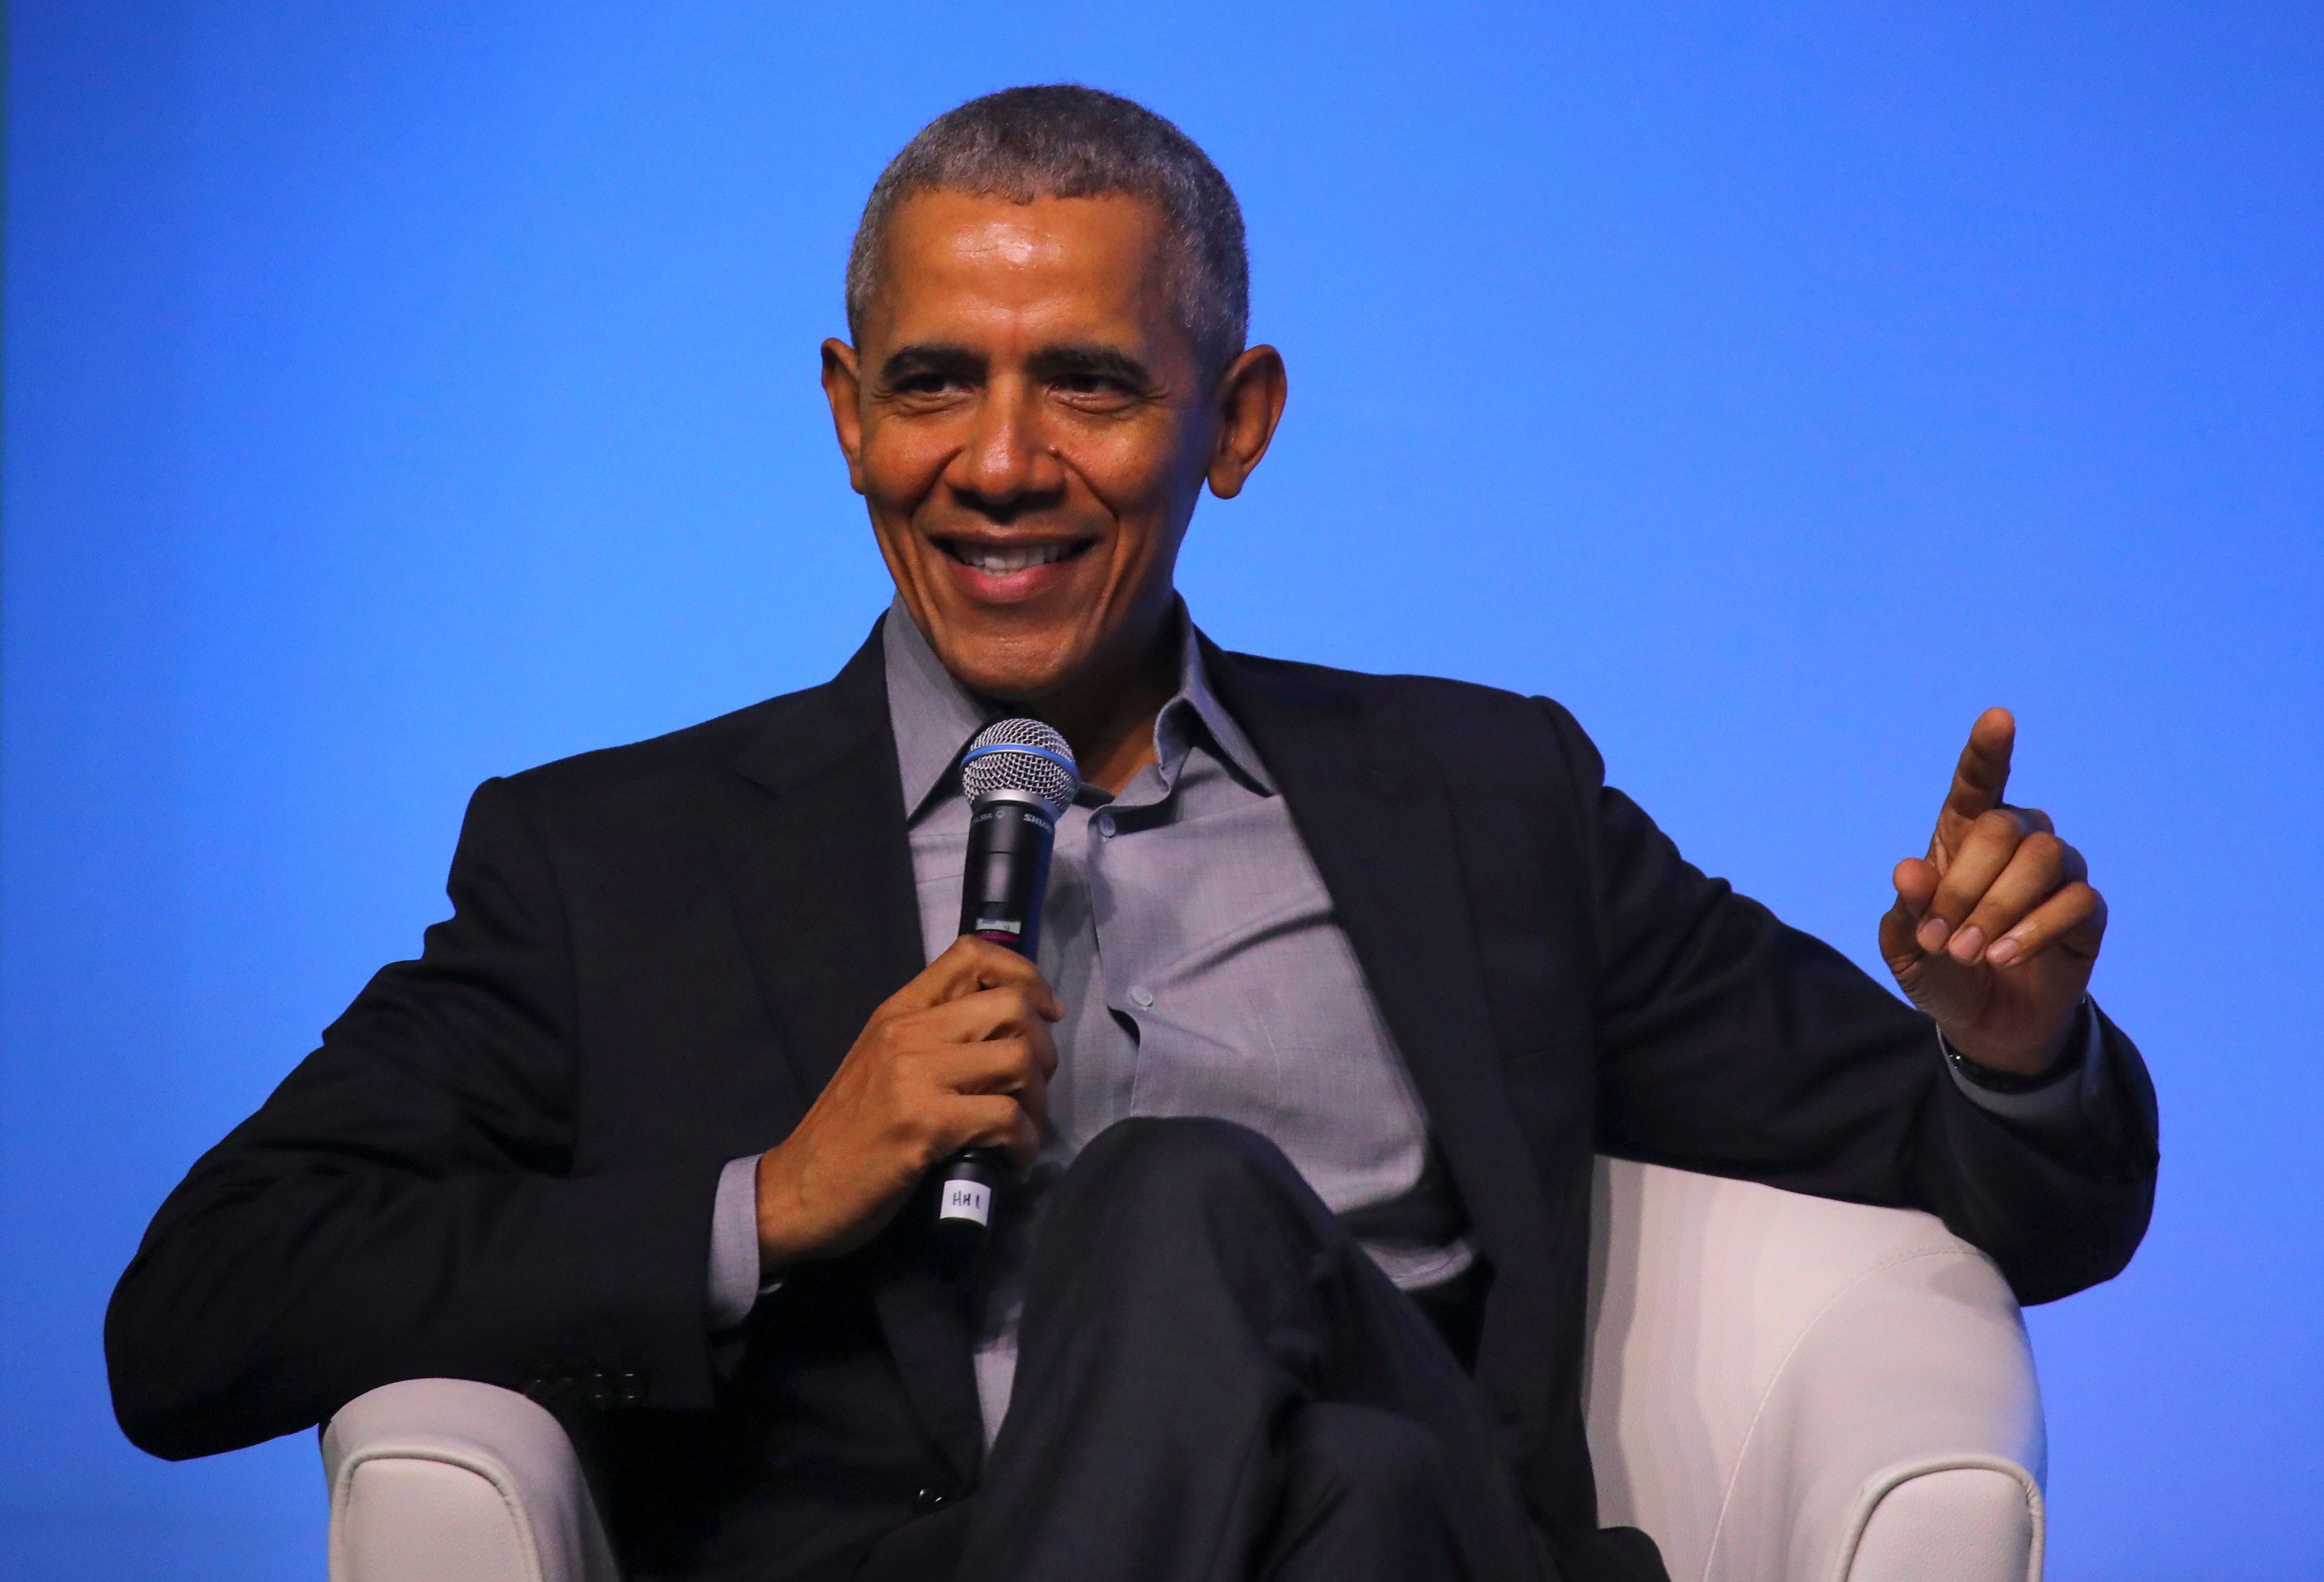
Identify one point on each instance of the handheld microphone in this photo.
(1019, 777)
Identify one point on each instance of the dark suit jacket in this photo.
(500, 1164)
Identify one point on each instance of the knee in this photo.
(1164, 1172)
(1182, 1159)
(1173, 1206)
(1385, 1462)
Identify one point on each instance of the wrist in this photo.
(777, 1200)
(2013, 1071)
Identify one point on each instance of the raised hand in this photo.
(959, 1057)
(1993, 933)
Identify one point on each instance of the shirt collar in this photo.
(1172, 733)
(934, 716)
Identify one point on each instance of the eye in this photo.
(931, 382)
(1095, 390)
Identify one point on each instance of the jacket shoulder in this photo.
(681, 754)
(771, 741)
(1467, 718)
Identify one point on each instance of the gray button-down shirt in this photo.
(1203, 973)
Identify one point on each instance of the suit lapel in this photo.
(819, 867)
(1378, 827)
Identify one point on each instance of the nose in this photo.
(1006, 464)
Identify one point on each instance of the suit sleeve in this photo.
(1734, 1046)
(404, 1205)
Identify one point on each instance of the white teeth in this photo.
(1001, 562)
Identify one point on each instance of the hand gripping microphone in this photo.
(1019, 777)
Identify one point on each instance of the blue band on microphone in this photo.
(1059, 759)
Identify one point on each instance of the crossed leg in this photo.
(1216, 1385)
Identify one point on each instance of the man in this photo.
(1344, 980)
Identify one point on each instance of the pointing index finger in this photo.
(1978, 780)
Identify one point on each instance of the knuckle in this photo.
(1999, 825)
(999, 958)
(1953, 899)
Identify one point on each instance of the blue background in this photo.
(399, 394)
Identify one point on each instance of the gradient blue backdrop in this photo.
(400, 393)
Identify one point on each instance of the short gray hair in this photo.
(1062, 139)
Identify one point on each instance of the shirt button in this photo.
(931, 1499)
(1142, 994)
(1105, 824)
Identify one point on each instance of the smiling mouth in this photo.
(1000, 559)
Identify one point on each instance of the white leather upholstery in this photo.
(1780, 1388)
(1784, 1387)
(443, 1480)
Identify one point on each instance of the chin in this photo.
(1008, 673)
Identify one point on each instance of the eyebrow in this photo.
(931, 357)
(1053, 361)
(1050, 362)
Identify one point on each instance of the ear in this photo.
(1252, 393)
(842, 387)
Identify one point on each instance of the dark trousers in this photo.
(1214, 1383)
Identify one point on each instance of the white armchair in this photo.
(1785, 1387)
(446, 1480)
(1780, 1387)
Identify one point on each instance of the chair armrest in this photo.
(446, 1480)
(1783, 1386)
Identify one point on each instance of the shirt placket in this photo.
(1120, 834)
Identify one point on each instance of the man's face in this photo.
(1030, 428)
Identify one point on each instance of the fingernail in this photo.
(2004, 951)
(1932, 934)
(1967, 943)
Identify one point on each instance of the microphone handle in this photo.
(1005, 881)
(968, 1180)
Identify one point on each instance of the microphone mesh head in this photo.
(1021, 754)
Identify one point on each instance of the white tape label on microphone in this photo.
(966, 1201)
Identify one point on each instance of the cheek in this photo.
(1136, 474)
(901, 462)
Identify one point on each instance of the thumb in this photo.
(1931, 979)
(1915, 879)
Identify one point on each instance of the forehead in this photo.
(956, 263)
